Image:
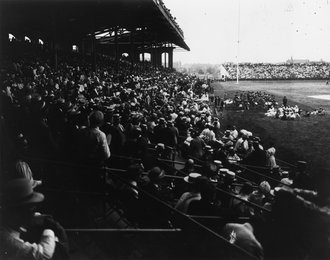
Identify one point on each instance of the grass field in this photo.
(305, 139)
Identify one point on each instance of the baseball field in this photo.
(305, 139)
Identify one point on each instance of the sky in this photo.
(268, 30)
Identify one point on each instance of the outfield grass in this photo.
(305, 139)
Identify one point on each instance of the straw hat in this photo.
(191, 178)
(19, 192)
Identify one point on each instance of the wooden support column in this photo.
(152, 55)
(116, 50)
(170, 58)
(143, 43)
(83, 47)
(165, 57)
(93, 44)
(132, 52)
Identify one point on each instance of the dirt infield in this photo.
(305, 139)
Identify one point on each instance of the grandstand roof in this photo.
(75, 19)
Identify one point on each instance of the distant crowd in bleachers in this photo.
(284, 71)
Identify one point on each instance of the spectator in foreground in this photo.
(44, 237)
(242, 236)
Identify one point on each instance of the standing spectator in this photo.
(94, 146)
(242, 145)
(271, 161)
(118, 137)
(196, 146)
(216, 128)
(160, 131)
(285, 101)
(172, 135)
(94, 151)
(302, 180)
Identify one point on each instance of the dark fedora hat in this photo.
(156, 173)
(19, 192)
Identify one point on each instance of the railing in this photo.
(177, 215)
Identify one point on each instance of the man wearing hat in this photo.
(18, 203)
(153, 215)
(205, 206)
(160, 131)
(302, 180)
(172, 136)
(118, 135)
(186, 198)
(242, 145)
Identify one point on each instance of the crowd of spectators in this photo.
(292, 112)
(107, 117)
(246, 100)
(284, 71)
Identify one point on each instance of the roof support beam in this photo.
(54, 41)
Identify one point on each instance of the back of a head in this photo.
(134, 171)
(247, 188)
(207, 190)
(96, 118)
(255, 145)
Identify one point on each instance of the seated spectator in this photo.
(226, 184)
(239, 207)
(205, 206)
(232, 157)
(127, 194)
(233, 132)
(286, 180)
(193, 194)
(256, 158)
(153, 214)
(261, 195)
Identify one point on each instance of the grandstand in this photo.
(134, 27)
(132, 156)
